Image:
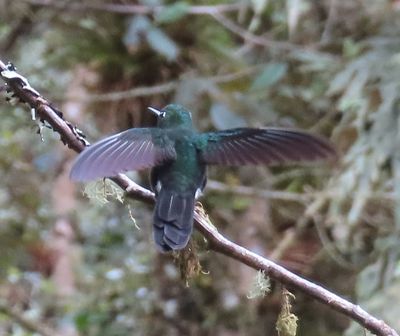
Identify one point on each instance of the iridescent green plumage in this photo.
(178, 156)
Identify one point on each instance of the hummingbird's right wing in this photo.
(134, 149)
(269, 146)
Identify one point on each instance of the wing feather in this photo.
(275, 149)
(131, 155)
(124, 154)
(134, 149)
(246, 155)
(262, 146)
(242, 157)
(305, 140)
(280, 148)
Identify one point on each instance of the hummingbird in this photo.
(178, 156)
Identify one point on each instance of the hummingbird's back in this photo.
(176, 184)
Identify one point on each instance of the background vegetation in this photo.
(86, 267)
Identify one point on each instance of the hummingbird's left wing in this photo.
(134, 149)
(270, 146)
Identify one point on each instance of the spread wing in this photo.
(134, 149)
(270, 146)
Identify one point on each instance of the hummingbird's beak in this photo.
(158, 113)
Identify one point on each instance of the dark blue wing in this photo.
(134, 149)
(269, 146)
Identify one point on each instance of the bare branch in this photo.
(127, 94)
(253, 192)
(20, 87)
(263, 41)
(250, 37)
(133, 9)
(157, 89)
(330, 22)
(288, 195)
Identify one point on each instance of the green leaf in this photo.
(161, 43)
(138, 24)
(173, 12)
(259, 5)
(341, 80)
(82, 321)
(351, 49)
(271, 74)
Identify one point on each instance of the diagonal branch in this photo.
(266, 42)
(250, 37)
(26, 323)
(73, 138)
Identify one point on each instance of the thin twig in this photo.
(28, 324)
(263, 41)
(250, 37)
(288, 195)
(157, 89)
(285, 243)
(133, 9)
(330, 22)
(217, 242)
(253, 192)
(291, 235)
(126, 94)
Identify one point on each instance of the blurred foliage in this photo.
(328, 66)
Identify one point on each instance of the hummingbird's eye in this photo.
(162, 114)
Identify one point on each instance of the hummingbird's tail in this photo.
(173, 219)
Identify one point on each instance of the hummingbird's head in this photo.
(173, 115)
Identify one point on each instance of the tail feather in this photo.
(173, 219)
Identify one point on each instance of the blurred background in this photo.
(80, 260)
